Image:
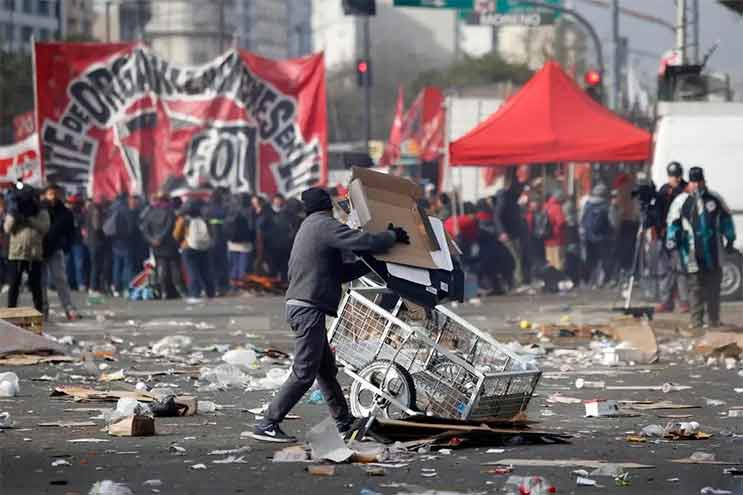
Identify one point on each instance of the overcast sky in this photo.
(647, 42)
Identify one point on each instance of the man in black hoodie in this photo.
(56, 242)
(316, 273)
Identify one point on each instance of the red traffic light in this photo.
(592, 78)
(362, 66)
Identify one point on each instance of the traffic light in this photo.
(363, 73)
(360, 7)
(594, 86)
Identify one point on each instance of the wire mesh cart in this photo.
(404, 362)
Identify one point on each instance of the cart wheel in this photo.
(397, 383)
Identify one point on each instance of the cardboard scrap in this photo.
(132, 426)
(639, 336)
(68, 424)
(321, 470)
(713, 341)
(654, 405)
(32, 359)
(567, 463)
(89, 394)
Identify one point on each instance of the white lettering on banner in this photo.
(221, 152)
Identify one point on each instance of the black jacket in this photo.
(507, 216)
(61, 229)
(157, 226)
(316, 268)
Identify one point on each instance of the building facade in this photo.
(195, 31)
(77, 18)
(24, 20)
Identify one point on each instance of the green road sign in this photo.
(513, 12)
(440, 4)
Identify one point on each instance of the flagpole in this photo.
(36, 111)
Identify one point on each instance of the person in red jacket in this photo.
(554, 245)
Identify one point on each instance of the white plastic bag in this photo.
(244, 358)
(9, 384)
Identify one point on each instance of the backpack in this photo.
(542, 226)
(116, 225)
(596, 222)
(198, 236)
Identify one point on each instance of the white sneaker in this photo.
(193, 300)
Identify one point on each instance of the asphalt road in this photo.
(27, 452)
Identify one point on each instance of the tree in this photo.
(16, 90)
(472, 71)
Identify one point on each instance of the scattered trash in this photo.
(243, 358)
(60, 462)
(240, 450)
(5, 420)
(198, 467)
(531, 485)
(321, 470)
(132, 426)
(327, 444)
(88, 440)
(316, 397)
(581, 383)
(224, 376)
(295, 453)
(567, 463)
(9, 384)
(651, 431)
(556, 398)
(206, 407)
(112, 377)
(708, 490)
(581, 481)
(108, 487)
(597, 408)
(153, 483)
(231, 460)
(735, 413)
(177, 449)
(171, 345)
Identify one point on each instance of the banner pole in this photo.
(36, 111)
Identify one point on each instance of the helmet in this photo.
(674, 169)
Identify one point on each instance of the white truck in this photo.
(709, 135)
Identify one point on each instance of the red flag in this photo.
(392, 148)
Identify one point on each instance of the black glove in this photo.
(400, 234)
(729, 248)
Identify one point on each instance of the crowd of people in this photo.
(200, 247)
(530, 230)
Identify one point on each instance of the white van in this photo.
(708, 135)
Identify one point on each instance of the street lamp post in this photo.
(582, 21)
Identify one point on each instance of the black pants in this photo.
(313, 359)
(33, 269)
(704, 290)
(169, 276)
(598, 262)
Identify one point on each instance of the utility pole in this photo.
(697, 41)
(367, 87)
(221, 26)
(616, 58)
(108, 21)
(681, 30)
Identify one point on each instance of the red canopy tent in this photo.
(551, 119)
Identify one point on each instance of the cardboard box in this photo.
(25, 317)
(379, 199)
(133, 426)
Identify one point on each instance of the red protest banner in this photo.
(117, 117)
(20, 161)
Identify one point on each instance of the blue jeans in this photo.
(199, 272)
(240, 264)
(76, 269)
(122, 270)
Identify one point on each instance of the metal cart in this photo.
(432, 362)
